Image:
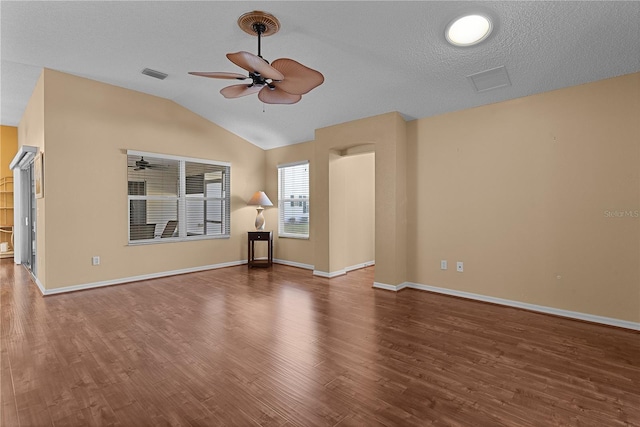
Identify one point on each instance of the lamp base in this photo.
(260, 219)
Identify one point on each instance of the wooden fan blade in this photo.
(236, 91)
(254, 64)
(298, 79)
(277, 96)
(216, 75)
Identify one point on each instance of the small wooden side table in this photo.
(260, 236)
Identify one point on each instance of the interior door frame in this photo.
(25, 212)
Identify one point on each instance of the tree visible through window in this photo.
(293, 200)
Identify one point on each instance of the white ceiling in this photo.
(376, 56)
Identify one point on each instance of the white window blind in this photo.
(293, 200)
(173, 198)
(207, 207)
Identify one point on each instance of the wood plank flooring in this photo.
(280, 347)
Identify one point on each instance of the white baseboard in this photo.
(468, 295)
(329, 275)
(359, 266)
(135, 278)
(40, 285)
(388, 287)
(517, 304)
(342, 271)
(293, 264)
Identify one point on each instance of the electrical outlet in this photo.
(459, 266)
(95, 260)
(443, 264)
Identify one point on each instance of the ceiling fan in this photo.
(142, 164)
(282, 82)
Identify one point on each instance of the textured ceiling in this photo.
(376, 56)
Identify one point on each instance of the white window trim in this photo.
(306, 199)
(181, 200)
(178, 158)
(288, 165)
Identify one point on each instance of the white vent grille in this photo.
(153, 73)
(490, 79)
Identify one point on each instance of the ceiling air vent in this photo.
(153, 73)
(490, 79)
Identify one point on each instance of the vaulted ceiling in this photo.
(376, 56)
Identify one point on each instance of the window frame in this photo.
(283, 200)
(181, 200)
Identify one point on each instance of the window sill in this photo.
(159, 240)
(293, 236)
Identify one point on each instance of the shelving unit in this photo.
(6, 216)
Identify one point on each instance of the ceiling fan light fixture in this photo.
(267, 79)
(251, 22)
(468, 30)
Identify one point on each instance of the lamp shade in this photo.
(260, 199)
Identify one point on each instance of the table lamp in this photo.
(259, 199)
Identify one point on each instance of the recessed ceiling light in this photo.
(468, 30)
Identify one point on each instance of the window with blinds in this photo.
(293, 200)
(172, 198)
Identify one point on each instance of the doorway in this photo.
(351, 210)
(25, 208)
(28, 219)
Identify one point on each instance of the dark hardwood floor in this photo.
(280, 347)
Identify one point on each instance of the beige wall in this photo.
(300, 251)
(524, 192)
(519, 191)
(89, 126)
(361, 208)
(352, 209)
(351, 191)
(387, 134)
